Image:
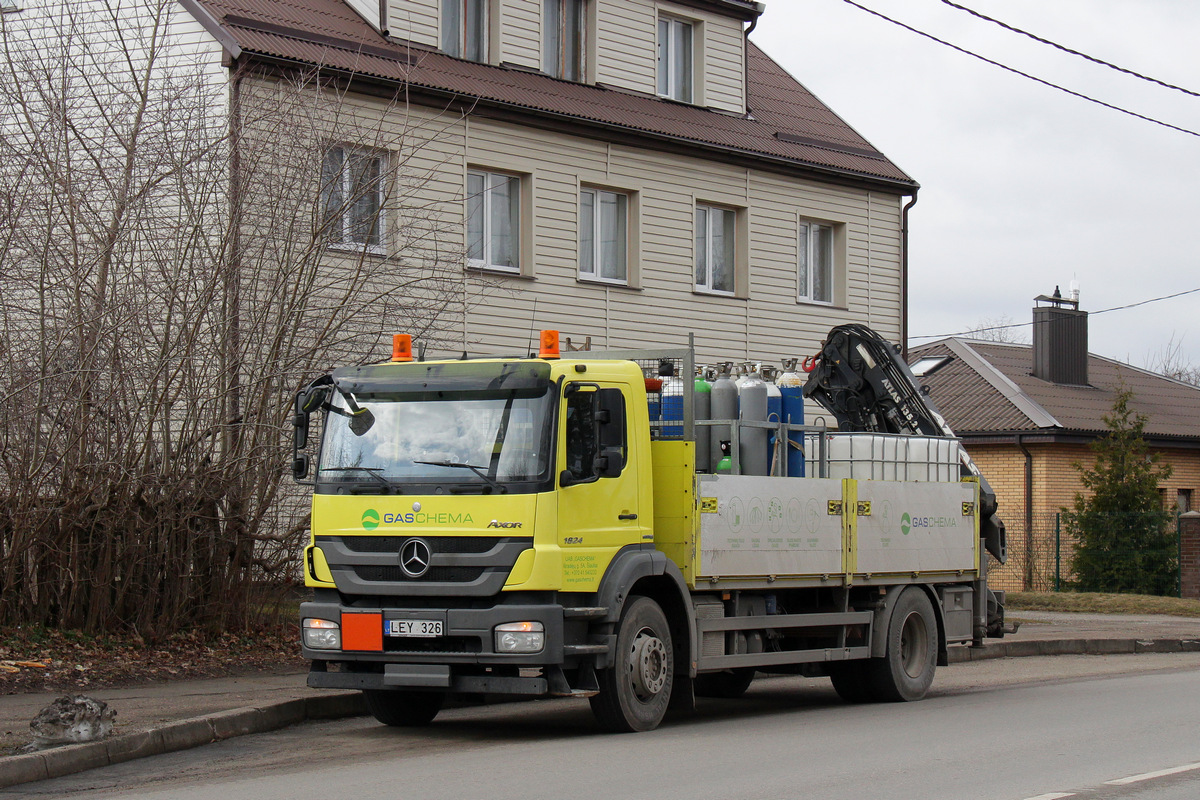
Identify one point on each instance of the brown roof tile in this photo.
(988, 384)
(329, 33)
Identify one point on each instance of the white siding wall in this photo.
(414, 20)
(627, 51)
(626, 44)
(521, 32)
(367, 9)
(662, 309)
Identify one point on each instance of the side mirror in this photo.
(312, 398)
(300, 467)
(300, 437)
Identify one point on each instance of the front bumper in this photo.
(463, 659)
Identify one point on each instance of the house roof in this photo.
(988, 388)
(787, 129)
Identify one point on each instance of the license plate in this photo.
(423, 628)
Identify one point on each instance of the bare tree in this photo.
(1170, 361)
(999, 329)
(179, 251)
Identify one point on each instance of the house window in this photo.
(603, 235)
(562, 34)
(1183, 501)
(715, 252)
(493, 220)
(675, 59)
(815, 263)
(464, 29)
(352, 197)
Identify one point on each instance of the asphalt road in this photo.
(1047, 728)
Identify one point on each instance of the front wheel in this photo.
(906, 670)
(635, 690)
(404, 709)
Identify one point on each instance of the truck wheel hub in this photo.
(649, 664)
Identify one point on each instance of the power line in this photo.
(1019, 72)
(1057, 46)
(1030, 324)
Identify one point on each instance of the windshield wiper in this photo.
(460, 465)
(374, 472)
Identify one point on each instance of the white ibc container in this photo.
(884, 457)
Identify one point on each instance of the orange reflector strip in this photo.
(401, 347)
(549, 344)
(362, 632)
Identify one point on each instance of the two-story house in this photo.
(630, 171)
(625, 170)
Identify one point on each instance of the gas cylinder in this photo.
(702, 409)
(724, 405)
(752, 400)
(774, 416)
(791, 389)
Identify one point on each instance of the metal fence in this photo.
(1041, 557)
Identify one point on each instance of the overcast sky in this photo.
(1025, 187)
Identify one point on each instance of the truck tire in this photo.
(635, 690)
(906, 670)
(728, 684)
(850, 681)
(404, 709)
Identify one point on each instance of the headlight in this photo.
(520, 637)
(321, 634)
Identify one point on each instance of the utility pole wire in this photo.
(1019, 72)
(1030, 324)
(1057, 46)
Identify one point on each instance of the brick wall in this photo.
(1189, 551)
(1034, 557)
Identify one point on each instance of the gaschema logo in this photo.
(371, 519)
(905, 523)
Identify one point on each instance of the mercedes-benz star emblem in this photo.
(415, 556)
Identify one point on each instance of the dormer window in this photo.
(675, 59)
(464, 29)
(562, 38)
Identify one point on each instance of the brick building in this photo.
(1027, 413)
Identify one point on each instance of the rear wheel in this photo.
(404, 709)
(635, 690)
(906, 670)
(729, 684)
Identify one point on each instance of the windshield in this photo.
(488, 437)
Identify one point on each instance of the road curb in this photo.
(69, 759)
(1065, 647)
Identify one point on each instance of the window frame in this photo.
(666, 59)
(596, 245)
(453, 35)
(554, 53)
(805, 287)
(733, 249)
(516, 216)
(346, 225)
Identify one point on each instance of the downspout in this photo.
(745, 54)
(1028, 512)
(904, 275)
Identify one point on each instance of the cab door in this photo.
(598, 509)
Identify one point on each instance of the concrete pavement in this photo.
(163, 717)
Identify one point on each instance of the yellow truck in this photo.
(530, 526)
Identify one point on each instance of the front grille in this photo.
(439, 544)
(461, 565)
(433, 575)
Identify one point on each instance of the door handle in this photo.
(626, 516)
